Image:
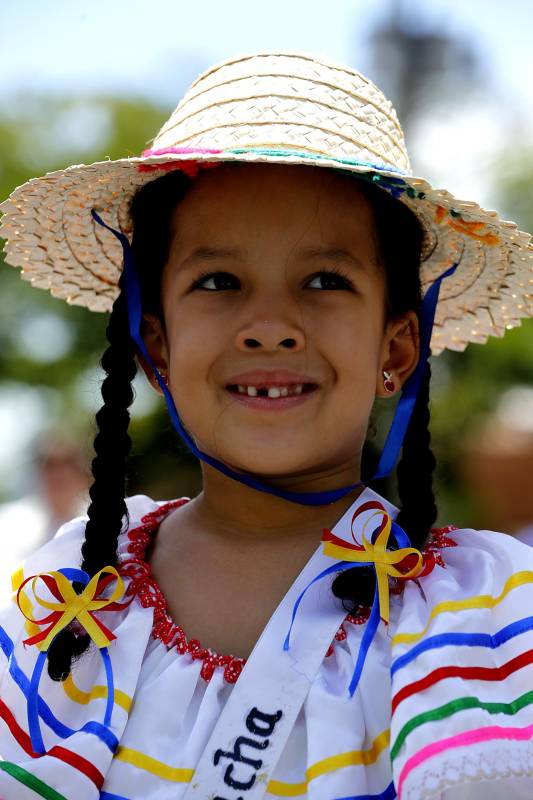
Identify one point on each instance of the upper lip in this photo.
(269, 377)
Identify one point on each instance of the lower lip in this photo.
(273, 404)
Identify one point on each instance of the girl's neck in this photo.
(231, 509)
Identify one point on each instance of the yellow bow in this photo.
(70, 606)
(384, 560)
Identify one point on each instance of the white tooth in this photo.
(274, 392)
(284, 392)
(242, 389)
(252, 391)
(298, 389)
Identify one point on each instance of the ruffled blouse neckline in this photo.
(142, 584)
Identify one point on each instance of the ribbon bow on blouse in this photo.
(405, 563)
(67, 607)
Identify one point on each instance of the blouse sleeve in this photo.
(77, 738)
(462, 674)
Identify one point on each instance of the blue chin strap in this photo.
(404, 409)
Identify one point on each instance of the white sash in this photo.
(256, 721)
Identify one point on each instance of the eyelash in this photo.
(197, 283)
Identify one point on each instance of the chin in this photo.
(267, 463)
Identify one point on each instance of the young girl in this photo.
(274, 267)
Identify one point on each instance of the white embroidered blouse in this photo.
(444, 707)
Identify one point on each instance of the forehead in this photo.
(259, 203)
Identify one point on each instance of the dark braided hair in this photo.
(399, 243)
(107, 511)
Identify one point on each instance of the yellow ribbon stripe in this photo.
(78, 606)
(278, 788)
(79, 696)
(384, 560)
(479, 601)
(17, 579)
(353, 758)
(149, 764)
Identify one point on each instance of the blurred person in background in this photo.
(498, 465)
(60, 478)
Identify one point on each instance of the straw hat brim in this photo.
(53, 238)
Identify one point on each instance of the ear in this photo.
(400, 352)
(154, 337)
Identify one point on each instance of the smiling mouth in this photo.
(272, 392)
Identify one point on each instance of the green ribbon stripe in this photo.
(459, 705)
(265, 151)
(29, 780)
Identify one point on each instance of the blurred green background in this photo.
(468, 128)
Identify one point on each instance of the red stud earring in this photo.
(388, 383)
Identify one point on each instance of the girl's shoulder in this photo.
(468, 571)
(462, 665)
(68, 742)
(62, 552)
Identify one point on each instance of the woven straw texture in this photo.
(289, 108)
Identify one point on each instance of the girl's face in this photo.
(274, 335)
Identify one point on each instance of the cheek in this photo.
(197, 348)
(351, 342)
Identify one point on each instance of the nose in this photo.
(270, 332)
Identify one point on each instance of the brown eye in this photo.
(329, 281)
(216, 282)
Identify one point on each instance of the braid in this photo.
(112, 445)
(415, 489)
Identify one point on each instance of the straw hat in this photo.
(284, 108)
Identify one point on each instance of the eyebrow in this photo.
(210, 254)
(214, 253)
(332, 253)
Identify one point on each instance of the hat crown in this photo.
(290, 101)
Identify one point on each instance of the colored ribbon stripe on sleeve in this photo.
(455, 706)
(493, 674)
(27, 779)
(59, 728)
(467, 738)
(63, 754)
(479, 601)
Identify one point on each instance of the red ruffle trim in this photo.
(143, 586)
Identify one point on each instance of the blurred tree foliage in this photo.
(468, 385)
(43, 134)
(39, 135)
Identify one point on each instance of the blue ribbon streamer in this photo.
(110, 686)
(45, 713)
(399, 425)
(406, 404)
(34, 727)
(33, 698)
(371, 627)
